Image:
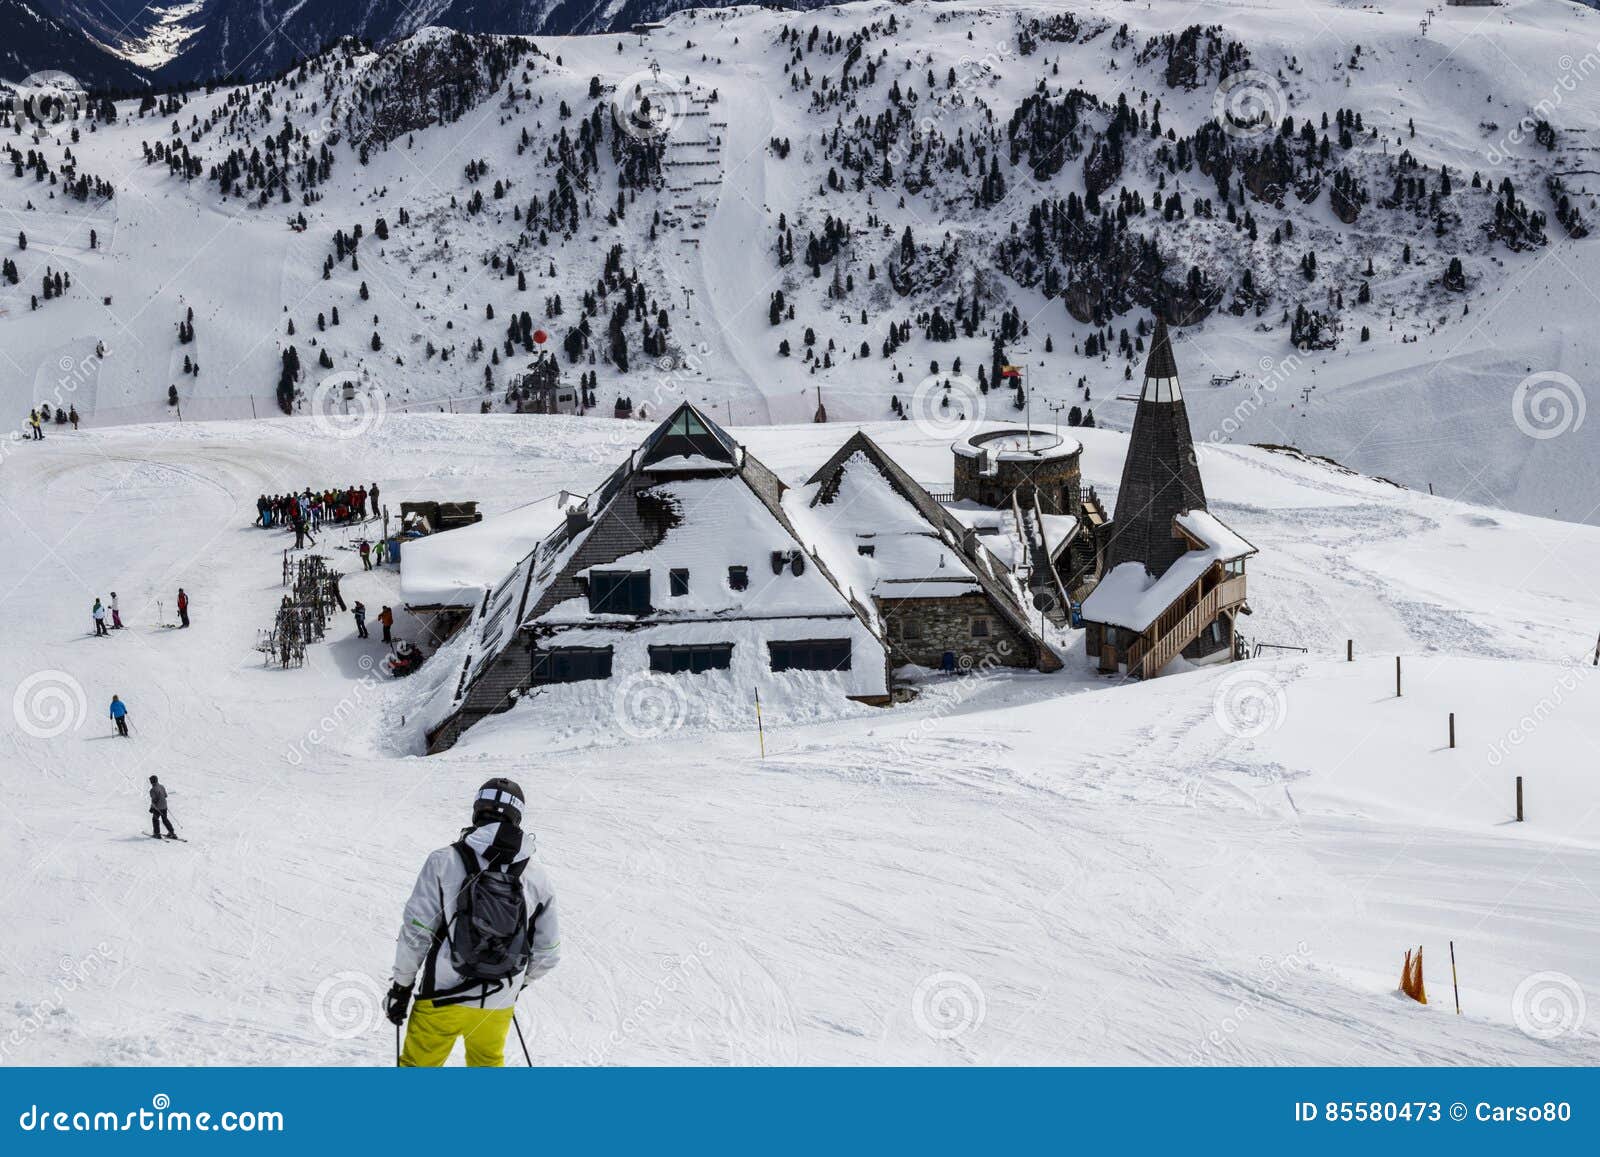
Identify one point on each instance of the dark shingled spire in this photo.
(1160, 477)
(1160, 364)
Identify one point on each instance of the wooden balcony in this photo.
(1181, 623)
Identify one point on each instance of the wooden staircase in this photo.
(1181, 624)
(1042, 572)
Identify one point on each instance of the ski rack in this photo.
(303, 615)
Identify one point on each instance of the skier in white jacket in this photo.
(472, 971)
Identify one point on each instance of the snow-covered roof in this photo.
(683, 463)
(454, 567)
(1207, 529)
(719, 524)
(1128, 596)
(1059, 529)
(875, 541)
(1021, 445)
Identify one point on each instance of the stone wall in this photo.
(1059, 482)
(945, 624)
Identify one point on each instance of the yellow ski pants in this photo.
(432, 1033)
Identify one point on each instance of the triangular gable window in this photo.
(686, 434)
(686, 425)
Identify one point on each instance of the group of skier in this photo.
(41, 414)
(385, 619)
(158, 793)
(480, 923)
(369, 552)
(98, 613)
(102, 611)
(314, 507)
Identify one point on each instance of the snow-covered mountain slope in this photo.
(40, 39)
(1221, 865)
(186, 41)
(1381, 271)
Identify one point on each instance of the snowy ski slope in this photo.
(1216, 866)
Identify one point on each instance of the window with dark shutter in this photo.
(678, 582)
(571, 664)
(810, 655)
(692, 658)
(619, 592)
(980, 628)
(738, 578)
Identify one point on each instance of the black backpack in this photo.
(489, 936)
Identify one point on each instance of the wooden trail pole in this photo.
(1454, 982)
(1349, 650)
(1452, 729)
(1397, 676)
(761, 734)
(1519, 799)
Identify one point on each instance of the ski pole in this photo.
(520, 1041)
(397, 1046)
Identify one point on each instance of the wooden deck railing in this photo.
(1177, 628)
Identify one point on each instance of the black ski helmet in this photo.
(498, 799)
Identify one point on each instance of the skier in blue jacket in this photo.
(119, 716)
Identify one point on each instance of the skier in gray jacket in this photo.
(450, 1005)
(158, 810)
